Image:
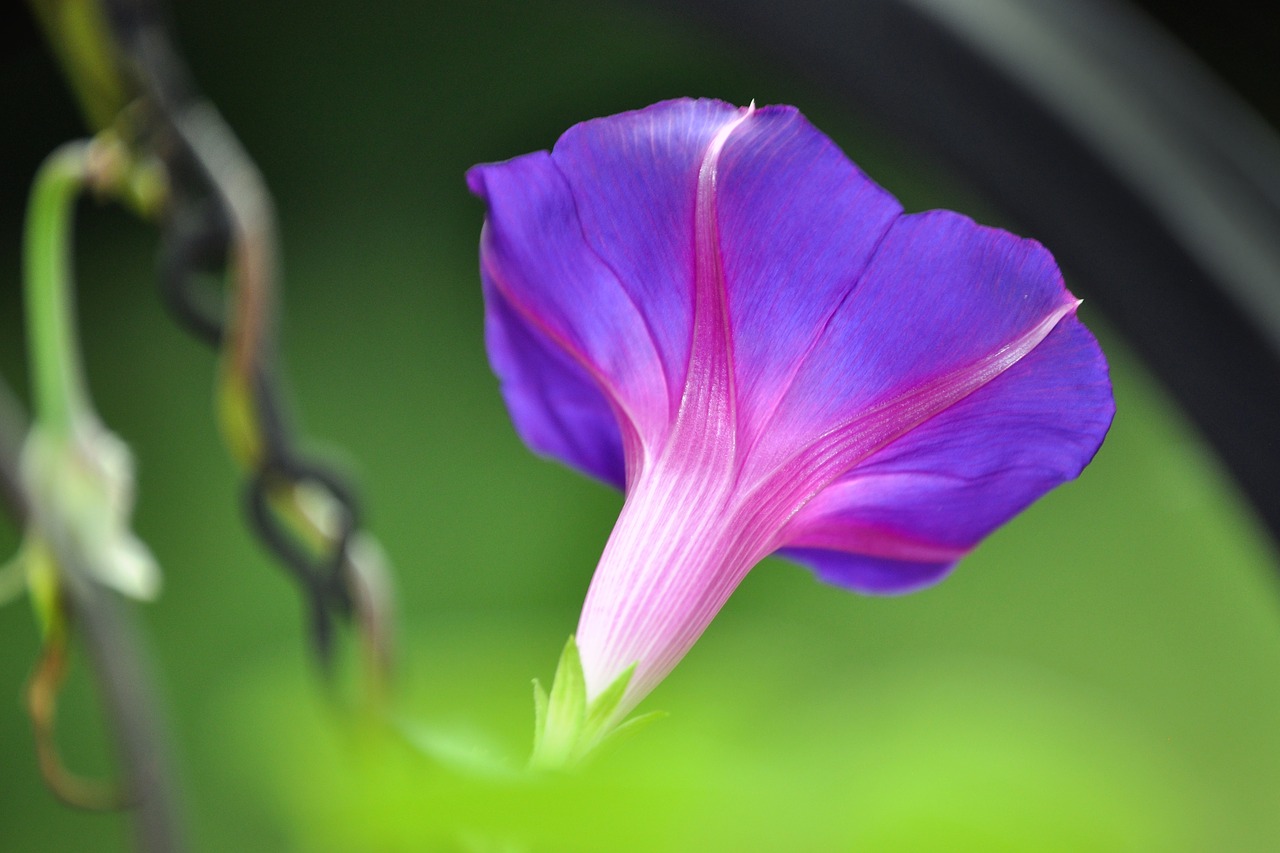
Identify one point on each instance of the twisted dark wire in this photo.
(193, 243)
(196, 246)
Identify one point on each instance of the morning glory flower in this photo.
(713, 309)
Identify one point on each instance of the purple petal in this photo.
(554, 287)
(941, 296)
(634, 178)
(926, 499)
(869, 575)
(798, 225)
(556, 405)
(593, 249)
(794, 221)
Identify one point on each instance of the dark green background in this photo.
(1102, 674)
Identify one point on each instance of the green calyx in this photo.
(568, 727)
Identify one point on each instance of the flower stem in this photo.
(58, 390)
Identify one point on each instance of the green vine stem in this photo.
(104, 164)
(77, 31)
(58, 391)
(74, 488)
(78, 475)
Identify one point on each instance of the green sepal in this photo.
(568, 728)
(600, 713)
(540, 702)
(559, 716)
(629, 728)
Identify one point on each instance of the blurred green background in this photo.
(1102, 674)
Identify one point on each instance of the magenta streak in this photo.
(794, 483)
(654, 531)
(633, 445)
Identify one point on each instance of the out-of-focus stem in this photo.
(62, 407)
(119, 666)
(78, 33)
(57, 384)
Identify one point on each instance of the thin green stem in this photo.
(58, 390)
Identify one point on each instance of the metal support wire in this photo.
(1156, 188)
(220, 217)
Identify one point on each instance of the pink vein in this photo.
(632, 442)
(795, 482)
